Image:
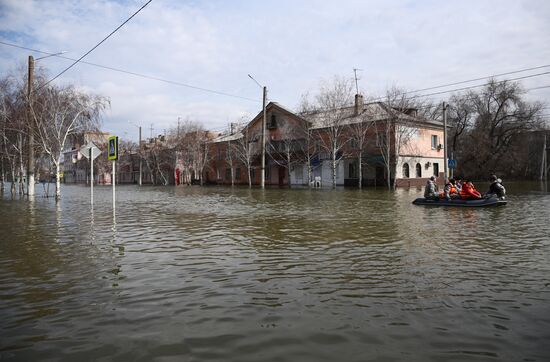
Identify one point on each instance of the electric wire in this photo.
(150, 77)
(98, 44)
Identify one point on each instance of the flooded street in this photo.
(221, 274)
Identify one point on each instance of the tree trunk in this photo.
(57, 181)
(21, 167)
(249, 178)
(288, 169)
(333, 169)
(309, 172)
(360, 171)
(12, 188)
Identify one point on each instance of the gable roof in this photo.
(372, 112)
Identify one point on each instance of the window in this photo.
(252, 174)
(268, 173)
(436, 169)
(353, 144)
(352, 170)
(238, 173)
(380, 140)
(299, 172)
(406, 170)
(272, 123)
(418, 170)
(434, 142)
(228, 174)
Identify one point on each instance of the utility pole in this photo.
(30, 167)
(545, 157)
(445, 161)
(140, 157)
(262, 180)
(264, 121)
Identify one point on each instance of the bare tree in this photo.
(287, 151)
(230, 156)
(359, 134)
(461, 117)
(243, 150)
(13, 131)
(331, 111)
(60, 112)
(395, 131)
(306, 132)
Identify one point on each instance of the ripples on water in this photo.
(283, 275)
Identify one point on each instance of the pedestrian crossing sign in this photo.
(112, 154)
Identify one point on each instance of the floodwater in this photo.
(221, 274)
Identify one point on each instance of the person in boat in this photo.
(450, 192)
(469, 192)
(458, 183)
(430, 192)
(496, 189)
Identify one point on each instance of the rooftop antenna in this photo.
(355, 73)
(151, 128)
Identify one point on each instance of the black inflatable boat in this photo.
(493, 201)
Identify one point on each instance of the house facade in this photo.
(320, 147)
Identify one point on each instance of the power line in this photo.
(542, 87)
(466, 88)
(98, 44)
(476, 79)
(150, 77)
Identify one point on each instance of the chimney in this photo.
(358, 104)
(232, 125)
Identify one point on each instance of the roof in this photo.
(372, 112)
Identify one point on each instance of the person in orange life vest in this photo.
(469, 191)
(450, 191)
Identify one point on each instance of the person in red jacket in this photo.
(469, 192)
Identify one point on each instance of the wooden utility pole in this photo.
(445, 161)
(30, 167)
(544, 164)
(140, 158)
(264, 120)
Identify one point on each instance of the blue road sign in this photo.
(452, 163)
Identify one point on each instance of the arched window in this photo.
(418, 170)
(406, 170)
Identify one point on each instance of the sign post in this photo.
(452, 165)
(113, 156)
(91, 152)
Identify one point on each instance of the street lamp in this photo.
(139, 153)
(262, 178)
(30, 167)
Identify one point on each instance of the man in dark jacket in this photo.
(496, 189)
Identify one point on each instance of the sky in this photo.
(288, 46)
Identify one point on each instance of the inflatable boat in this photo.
(493, 201)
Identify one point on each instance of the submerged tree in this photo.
(330, 111)
(395, 130)
(487, 123)
(59, 112)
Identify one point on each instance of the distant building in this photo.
(298, 149)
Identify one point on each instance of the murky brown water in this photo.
(215, 274)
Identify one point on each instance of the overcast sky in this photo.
(289, 46)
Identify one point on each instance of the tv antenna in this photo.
(355, 74)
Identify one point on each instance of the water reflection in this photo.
(238, 274)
